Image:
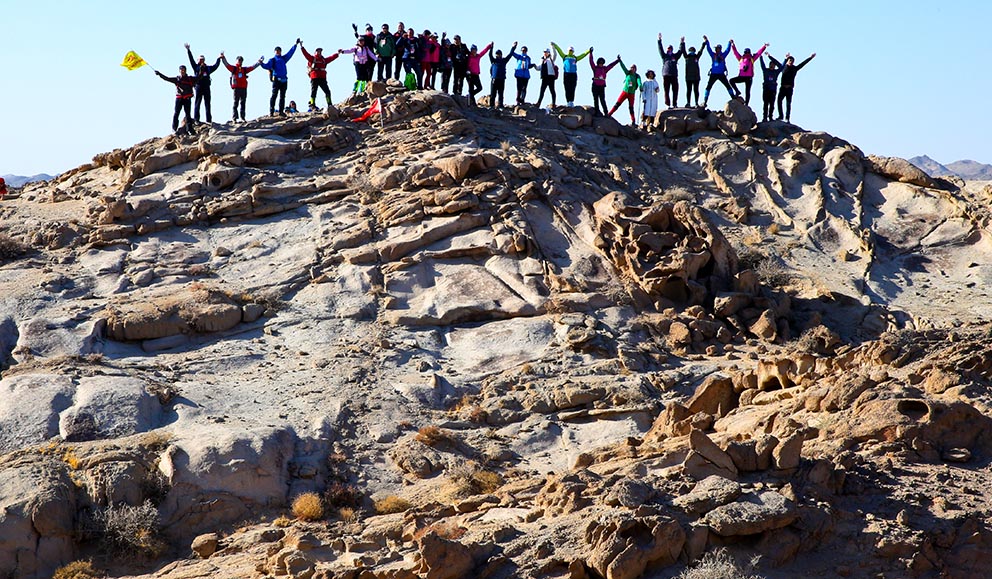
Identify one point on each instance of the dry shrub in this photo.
(442, 529)
(282, 522)
(76, 570)
(433, 436)
(126, 530)
(469, 480)
(10, 248)
(392, 504)
(348, 514)
(308, 507)
(719, 564)
(342, 495)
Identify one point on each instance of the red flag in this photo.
(375, 109)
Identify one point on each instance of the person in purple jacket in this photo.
(670, 70)
(718, 70)
(599, 71)
(746, 73)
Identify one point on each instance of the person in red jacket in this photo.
(184, 94)
(3, 188)
(239, 82)
(318, 74)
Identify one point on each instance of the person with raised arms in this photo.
(718, 69)
(522, 74)
(789, 71)
(202, 72)
(631, 84)
(474, 71)
(184, 93)
(670, 70)
(570, 70)
(549, 74)
(239, 82)
(497, 71)
(317, 67)
(692, 75)
(769, 86)
(599, 72)
(745, 74)
(280, 77)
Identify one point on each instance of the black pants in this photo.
(768, 103)
(599, 97)
(672, 83)
(522, 90)
(202, 95)
(723, 80)
(399, 66)
(278, 89)
(320, 83)
(240, 96)
(459, 80)
(547, 82)
(785, 93)
(182, 105)
(746, 81)
(570, 79)
(445, 79)
(474, 87)
(496, 91)
(691, 87)
(385, 68)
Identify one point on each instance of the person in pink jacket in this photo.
(599, 70)
(746, 72)
(431, 58)
(474, 70)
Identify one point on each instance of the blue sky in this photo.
(894, 78)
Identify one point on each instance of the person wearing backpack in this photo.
(474, 71)
(184, 93)
(385, 47)
(317, 67)
(239, 82)
(280, 77)
(409, 47)
(549, 74)
(670, 70)
(599, 72)
(631, 83)
(497, 71)
(570, 70)
(745, 75)
(202, 72)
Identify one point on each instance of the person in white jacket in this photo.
(649, 98)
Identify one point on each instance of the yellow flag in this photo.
(133, 61)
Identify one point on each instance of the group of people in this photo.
(423, 57)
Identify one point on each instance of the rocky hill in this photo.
(21, 180)
(966, 169)
(495, 344)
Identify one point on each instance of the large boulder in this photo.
(622, 546)
(737, 118)
(191, 309)
(753, 513)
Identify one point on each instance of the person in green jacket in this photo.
(570, 66)
(385, 47)
(631, 84)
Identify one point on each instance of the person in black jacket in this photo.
(459, 64)
(692, 74)
(789, 71)
(769, 86)
(202, 72)
(184, 93)
(409, 47)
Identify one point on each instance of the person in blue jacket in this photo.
(522, 73)
(497, 70)
(280, 78)
(202, 72)
(718, 70)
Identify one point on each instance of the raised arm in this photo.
(760, 51)
(289, 53)
(558, 50)
(733, 47)
(306, 54)
(610, 66)
(189, 55)
(214, 66)
(805, 62)
(681, 51)
(730, 44)
(579, 57)
(622, 66)
(485, 50)
(761, 59)
(661, 47)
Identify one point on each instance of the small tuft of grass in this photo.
(348, 514)
(433, 436)
(392, 504)
(282, 522)
(76, 570)
(342, 495)
(506, 146)
(719, 564)
(469, 480)
(308, 507)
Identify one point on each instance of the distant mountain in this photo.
(968, 170)
(20, 180)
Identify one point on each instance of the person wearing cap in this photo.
(239, 82)
(398, 55)
(385, 47)
(692, 74)
(745, 74)
(522, 74)
(280, 77)
(202, 72)
(599, 72)
(317, 67)
(363, 56)
(409, 47)
(631, 83)
(459, 64)
(184, 93)
(718, 70)
(670, 69)
(549, 73)
(430, 59)
(789, 71)
(474, 71)
(570, 70)
(497, 71)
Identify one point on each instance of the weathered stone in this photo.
(709, 493)
(753, 513)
